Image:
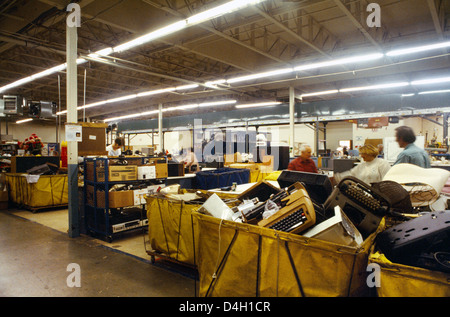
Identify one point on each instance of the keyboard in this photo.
(296, 215)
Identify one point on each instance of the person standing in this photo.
(303, 163)
(411, 154)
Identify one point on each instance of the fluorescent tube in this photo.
(418, 49)
(319, 93)
(260, 75)
(381, 86)
(24, 120)
(431, 81)
(340, 61)
(217, 103)
(434, 92)
(260, 104)
(219, 11)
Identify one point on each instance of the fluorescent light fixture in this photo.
(103, 52)
(24, 120)
(319, 93)
(121, 98)
(381, 86)
(142, 94)
(17, 83)
(408, 95)
(190, 86)
(215, 82)
(340, 61)
(260, 75)
(434, 92)
(217, 103)
(220, 10)
(134, 115)
(169, 29)
(94, 104)
(155, 92)
(50, 71)
(418, 49)
(183, 107)
(431, 81)
(260, 104)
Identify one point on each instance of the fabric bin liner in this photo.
(398, 280)
(243, 260)
(171, 229)
(48, 191)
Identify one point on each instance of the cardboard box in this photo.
(161, 168)
(116, 199)
(116, 172)
(93, 139)
(122, 173)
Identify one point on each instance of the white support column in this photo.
(72, 117)
(160, 126)
(291, 120)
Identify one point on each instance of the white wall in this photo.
(44, 129)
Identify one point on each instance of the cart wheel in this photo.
(109, 239)
(152, 259)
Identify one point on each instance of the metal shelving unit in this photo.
(100, 219)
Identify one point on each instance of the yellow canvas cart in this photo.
(37, 192)
(243, 260)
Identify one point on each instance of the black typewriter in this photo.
(362, 204)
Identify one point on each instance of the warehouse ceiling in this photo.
(271, 35)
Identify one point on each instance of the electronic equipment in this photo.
(296, 215)
(336, 229)
(126, 218)
(414, 238)
(129, 225)
(146, 172)
(343, 165)
(362, 204)
(318, 186)
(13, 104)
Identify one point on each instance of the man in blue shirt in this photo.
(411, 154)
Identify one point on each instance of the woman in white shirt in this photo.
(372, 170)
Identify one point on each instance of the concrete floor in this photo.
(34, 259)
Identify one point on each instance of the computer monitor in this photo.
(318, 186)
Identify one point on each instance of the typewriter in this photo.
(296, 214)
(362, 204)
